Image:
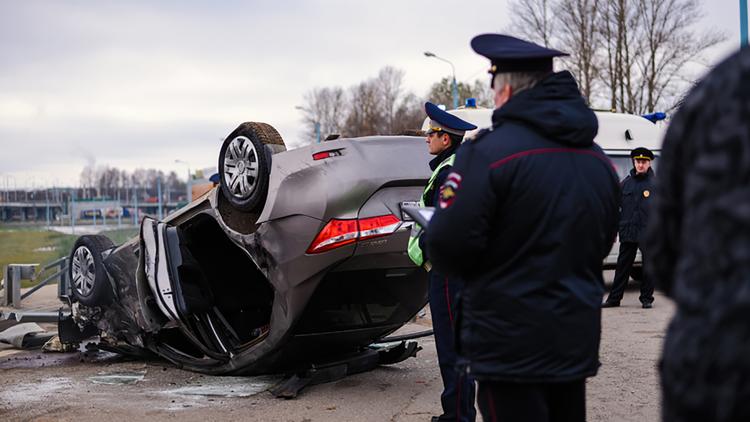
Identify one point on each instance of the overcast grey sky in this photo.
(141, 83)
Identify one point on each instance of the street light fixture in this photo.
(453, 69)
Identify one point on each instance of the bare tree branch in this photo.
(631, 55)
(532, 19)
(324, 107)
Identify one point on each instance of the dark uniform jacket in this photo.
(526, 218)
(699, 242)
(636, 198)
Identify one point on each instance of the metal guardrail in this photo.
(15, 273)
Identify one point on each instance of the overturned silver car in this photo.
(298, 257)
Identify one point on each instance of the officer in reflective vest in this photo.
(443, 138)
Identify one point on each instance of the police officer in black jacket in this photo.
(526, 217)
(637, 191)
(457, 399)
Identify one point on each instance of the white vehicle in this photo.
(618, 134)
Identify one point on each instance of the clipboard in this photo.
(420, 215)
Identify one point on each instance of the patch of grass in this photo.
(120, 236)
(20, 227)
(28, 244)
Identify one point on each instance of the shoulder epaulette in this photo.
(475, 137)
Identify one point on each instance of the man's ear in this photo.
(446, 139)
(502, 95)
(507, 92)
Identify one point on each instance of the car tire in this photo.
(89, 283)
(245, 164)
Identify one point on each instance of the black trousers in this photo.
(625, 261)
(457, 398)
(517, 402)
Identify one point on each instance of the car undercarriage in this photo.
(298, 258)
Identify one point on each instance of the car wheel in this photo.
(273, 141)
(245, 164)
(89, 282)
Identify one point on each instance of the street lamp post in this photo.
(453, 69)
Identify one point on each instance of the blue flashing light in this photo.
(471, 103)
(655, 117)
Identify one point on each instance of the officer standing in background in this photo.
(444, 136)
(637, 191)
(525, 218)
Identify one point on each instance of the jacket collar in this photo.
(649, 173)
(435, 162)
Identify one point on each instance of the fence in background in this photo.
(13, 274)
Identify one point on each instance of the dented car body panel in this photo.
(223, 291)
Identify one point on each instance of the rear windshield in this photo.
(623, 164)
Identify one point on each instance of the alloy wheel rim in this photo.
(241, 167)
(83, 271)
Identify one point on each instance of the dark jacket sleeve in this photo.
(458, 232)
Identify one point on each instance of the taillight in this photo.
(377, 226)
(326, 154)
(338, 233)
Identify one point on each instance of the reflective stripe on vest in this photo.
(415, 252)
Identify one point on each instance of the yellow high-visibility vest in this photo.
(415, 252)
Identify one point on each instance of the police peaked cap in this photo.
(510, 54)
(442, 121)
(641, 153)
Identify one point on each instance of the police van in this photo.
(618, 134)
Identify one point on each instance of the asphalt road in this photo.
(48, 386)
